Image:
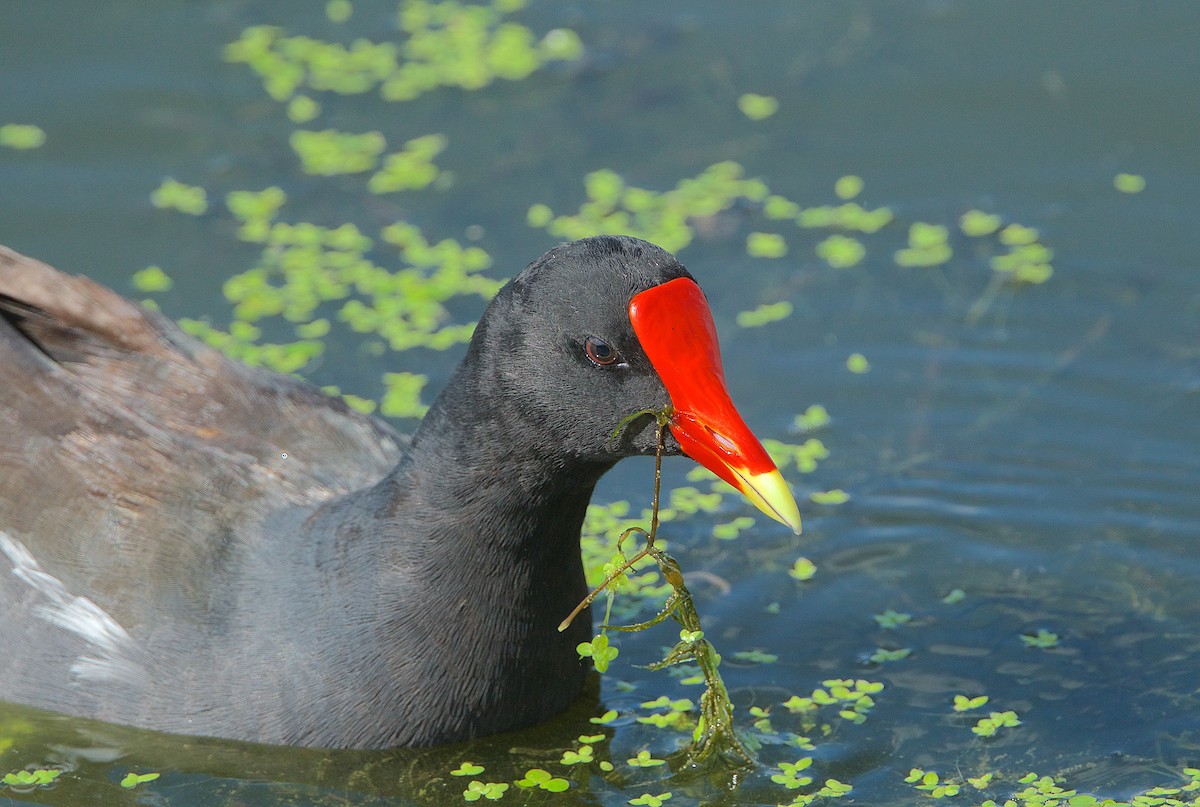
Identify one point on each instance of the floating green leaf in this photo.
(848, 187)
(132, 780)
(881, 656)
(36, 777)
(803, 569)
(841, 251)
(857, 363)
(954, 597)
(330, 152)
(1043, 639)
(543, 780)
(599, 651)
(151, 280)
(835, 496)
(338, 10)
(976, 223)
(644, 759)
(766, 245)
(988, 726)
(757, 107)
(927, 246)
(174, 195)
(21, 136)
(765, 314)
(1129, 183)
(477, 790)
(890, 619)
(813, 418)
(962, 703)
(606, 718)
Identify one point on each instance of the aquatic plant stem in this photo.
(661, 417)
(715, 734)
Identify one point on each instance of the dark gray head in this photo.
(559, 348)
(589, 334)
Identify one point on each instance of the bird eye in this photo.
(600, 353)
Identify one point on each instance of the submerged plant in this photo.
(714, 735)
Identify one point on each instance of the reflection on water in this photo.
(1041, 458)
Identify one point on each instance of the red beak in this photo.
(676, 330)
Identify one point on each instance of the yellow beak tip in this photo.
(770, 493)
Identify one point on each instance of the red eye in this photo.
(600, 353)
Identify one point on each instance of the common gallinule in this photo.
(191, 545)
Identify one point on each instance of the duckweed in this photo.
(679, 705)
(927, 246)
(302, 109)
(791, 774)
(766, 245)
(22, 136)
(976, 223)
(964, 704)
(402, 396)
(411, 168)
(132, 780)
(857, 363)
(330, 152)
(848, 216)
(932, 783)
(804, 457)
(580, 756)
(803, 569)
(765, 314)
(339, 10)
(1025, 263)
(988, 726)
(778, 208)
(648, 800)
(606, 718)
(543, 780)
(841, 251)
(835, 496)
(1043, 639)
(664, 218)
(151, 280)
(1129, 183)
(599, 651)
(36, 777)
(1016, 235)
(757, 107)
(645, 759)
(838, 692)
(890, 619)
(174, 195)
(1046, 791)
(882, 656)
(444, 44)
(756, 657)
(848, 187)
(832, 789)
(730, 530)
(812, 419)
(680, 721)
(476, 790)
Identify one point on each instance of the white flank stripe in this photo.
(111, 643)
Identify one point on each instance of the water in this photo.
(1041, 456)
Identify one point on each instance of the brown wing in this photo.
(131, 455)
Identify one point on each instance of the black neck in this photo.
(475, 534)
